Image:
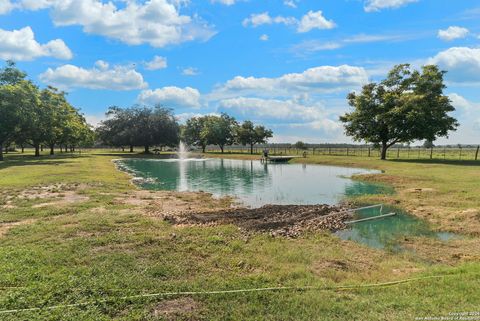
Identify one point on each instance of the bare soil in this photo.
(278, 220)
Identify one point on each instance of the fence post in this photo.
(347, 151)
(476, 153)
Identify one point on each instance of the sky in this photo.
(287, 64)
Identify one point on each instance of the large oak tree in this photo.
(407, 106)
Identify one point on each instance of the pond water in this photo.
(387, 232)
(253, 183)
(256, 184)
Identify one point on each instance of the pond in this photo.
(253, 183)
(387, 232)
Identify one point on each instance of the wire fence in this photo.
(446, 153)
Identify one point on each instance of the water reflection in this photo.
(253, 183)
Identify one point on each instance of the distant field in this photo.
(74, 230)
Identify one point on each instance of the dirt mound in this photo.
(278, 220)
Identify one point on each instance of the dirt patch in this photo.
(161, 203)
(278, 220)
(420, 190)
(65, 198)
(171, 309)
(5, 227)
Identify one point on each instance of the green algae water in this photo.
(387, 232)
(253, 183)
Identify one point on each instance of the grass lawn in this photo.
(73, 230)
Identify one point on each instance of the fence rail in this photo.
(447, 153)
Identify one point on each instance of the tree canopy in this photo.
(139, 126)
(408, 105)
(33, 116)
(249, 134)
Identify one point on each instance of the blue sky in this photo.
(288, 64)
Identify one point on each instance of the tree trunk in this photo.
(221, 148)
(41, 148)
(203, 148)
(23, 149)
(384, 150)
(251, 149)
(131, 148)
(1, 151)
(147, 149)
(52, 149)
(37, 150)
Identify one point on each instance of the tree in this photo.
(16, 102)
(12, 95)
(140, 125)
(428, 144)
(192, 132)
(300, 145)
(219, 130)
(407, 106)
(248, 134)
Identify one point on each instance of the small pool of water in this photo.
(253, 183)
(387, 232)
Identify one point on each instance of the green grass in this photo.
(101, 250)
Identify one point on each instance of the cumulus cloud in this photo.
(225, 2)
(6, 6)
(21, 45)
(452, 33)
(462, 64)
(157, 63)
(171, 97)
(312, 20)
(155, 22)
(463, 104)
(102, 76)
(294, 113)
(377, 5)
(314, 80)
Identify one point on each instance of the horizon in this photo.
(295, 64)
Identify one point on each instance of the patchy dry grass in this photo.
(114, 244)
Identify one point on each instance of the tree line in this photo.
(35, 117)
(156, 126)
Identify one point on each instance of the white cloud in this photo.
(290, 3)
(452, 33)
(314, 80)
(154, 22)
(171, 97)
(190, 71)
(258, 19)
(377, 5)
(99, 77)
(462, 104)
(157, 63)
(6, 6)
(225, 2)
(21, 45)
(293, 113)
(312, 20)
(264, 37)
(462, 64)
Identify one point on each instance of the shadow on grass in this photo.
(438, 161)
(12, 160)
